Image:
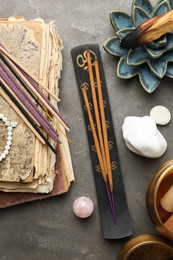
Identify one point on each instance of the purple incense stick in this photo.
(113, 205)
(23, 97)
(34, 84)
(111, 201)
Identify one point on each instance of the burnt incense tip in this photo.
(131, 40)
(149, 31)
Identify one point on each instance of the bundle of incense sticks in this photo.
(39, 160)
(13, 80)
(99, 130)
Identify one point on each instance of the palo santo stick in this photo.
(149, 31)
(96, 110)
(96, 142)
(18, 112)
(2, 49)
(104, 127)
(37, 94)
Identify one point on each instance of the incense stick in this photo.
(98, 151)
(39, 94)
(96, 142)
(27, 117)
(24, 84)
(6, 53)
(96, 110)
(12, 93)
(34, 82)
(104, 127)
(27, 103)
(101, 127)
(105, 134)
(21, 94)
(15, 108)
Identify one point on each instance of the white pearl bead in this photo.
(1, 116)
(7, 147)
(3, 156)
(7, 123)
(9, 128)
(4, 119)
(14, 123)
(8, 142)
(9, 138)
(6, 152)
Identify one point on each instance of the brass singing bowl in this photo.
(146, 247)
(158, 186)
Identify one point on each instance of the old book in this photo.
(30, 165)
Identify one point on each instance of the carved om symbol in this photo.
(82, 59)
(97, 168)
(114, 165)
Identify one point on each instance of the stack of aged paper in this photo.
(31, 166)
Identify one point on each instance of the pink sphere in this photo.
(83, 207)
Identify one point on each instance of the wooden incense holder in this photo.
(103, 148)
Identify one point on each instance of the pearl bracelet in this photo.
(10, 127)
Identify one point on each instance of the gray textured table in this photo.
(48, 229)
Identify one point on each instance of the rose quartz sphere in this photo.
(83, 207)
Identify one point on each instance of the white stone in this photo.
(83, 207)
(142, 136)
(161, 115)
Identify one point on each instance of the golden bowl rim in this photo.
(151, 194)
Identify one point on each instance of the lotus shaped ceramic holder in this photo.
(152, 61)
